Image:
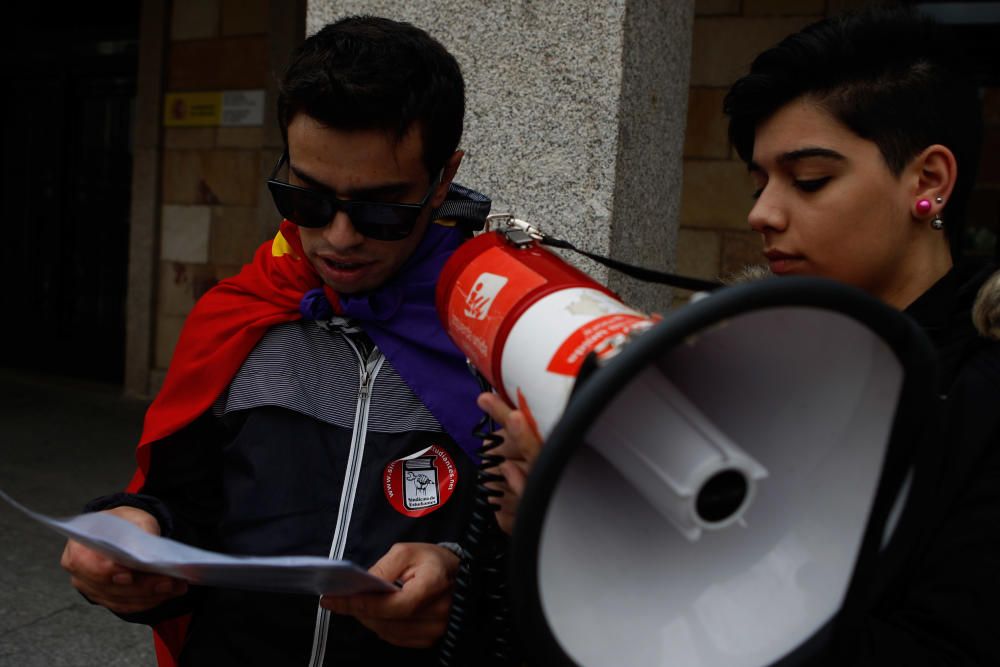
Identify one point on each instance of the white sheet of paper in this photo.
(133, 547)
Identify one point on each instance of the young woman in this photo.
(862, 136)
(862, 133)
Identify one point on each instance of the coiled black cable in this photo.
(481, 588)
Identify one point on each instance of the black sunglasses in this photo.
(381, 221)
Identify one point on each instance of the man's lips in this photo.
(340, 270)
(344, 264)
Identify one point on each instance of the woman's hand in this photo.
(520, 448)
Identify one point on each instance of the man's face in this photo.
(365, 165)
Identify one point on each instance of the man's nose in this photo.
(341, 234)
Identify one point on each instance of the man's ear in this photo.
(448, 173)
(934, 171)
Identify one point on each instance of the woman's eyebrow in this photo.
(803, 153)
(800, 154)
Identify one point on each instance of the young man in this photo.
(314, 404)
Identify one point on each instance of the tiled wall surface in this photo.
(211, 177)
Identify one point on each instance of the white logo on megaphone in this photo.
(481, 298)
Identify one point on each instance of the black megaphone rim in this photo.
(907, 341)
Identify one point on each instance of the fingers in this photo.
(506, 505)
(515, 475)
(403, 560)
(426, 572)
(520, 441)
(140, 518)
(145, 593)
(520, 448)
(114, 586)
(417, 614)
(523, 436)
(510, 448)
(494, 406)
(397, 618)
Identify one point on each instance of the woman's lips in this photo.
(782, 262)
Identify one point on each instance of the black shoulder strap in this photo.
(637, 272)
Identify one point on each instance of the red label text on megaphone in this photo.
(527, 320)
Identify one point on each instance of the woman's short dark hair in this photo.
(366, 72)
(890, 75)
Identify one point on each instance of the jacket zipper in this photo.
(368, 368)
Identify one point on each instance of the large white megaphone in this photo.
(723, 489)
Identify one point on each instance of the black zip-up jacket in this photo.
(300, 457)
(940, 604)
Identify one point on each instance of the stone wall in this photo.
(575, 115)
(210, 175)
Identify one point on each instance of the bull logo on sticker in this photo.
(420, 483)
(481, 298)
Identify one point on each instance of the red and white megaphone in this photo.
(726, 485)
(527, 321)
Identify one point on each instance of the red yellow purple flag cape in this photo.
(280, 285)
(220, 332)
(216, 339)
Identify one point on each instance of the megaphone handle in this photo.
(483, 569)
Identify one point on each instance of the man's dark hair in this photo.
(891, 76)
(370, 73)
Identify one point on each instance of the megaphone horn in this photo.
(823, 387)
(720, 490)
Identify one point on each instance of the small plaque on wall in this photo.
(224, 108)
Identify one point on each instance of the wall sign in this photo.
(223, 108)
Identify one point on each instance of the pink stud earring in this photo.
(923, 206)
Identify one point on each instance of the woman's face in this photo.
(828, 205)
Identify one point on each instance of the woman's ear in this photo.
(447, 175)
(935, 170)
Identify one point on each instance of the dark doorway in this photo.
(69, 85)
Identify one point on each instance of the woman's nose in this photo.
(767, 214)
